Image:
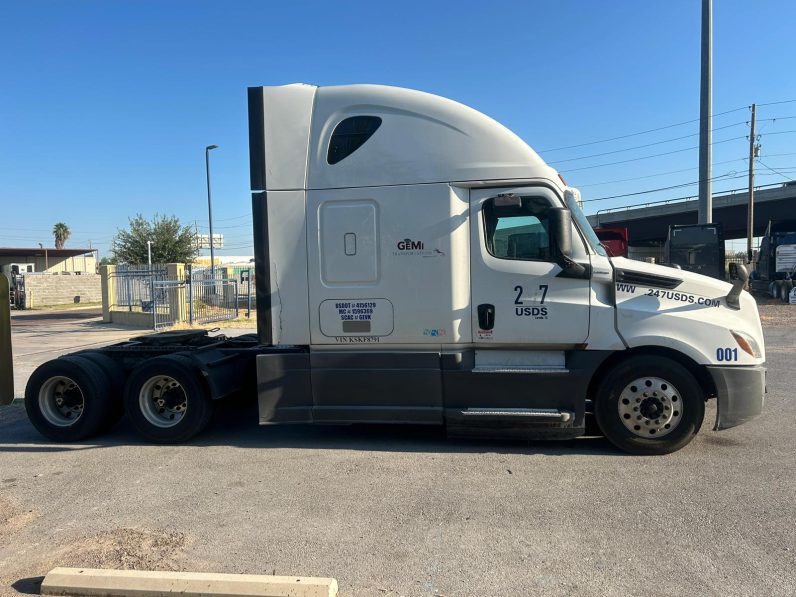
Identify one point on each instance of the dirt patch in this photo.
(12, 519)
(127, 549)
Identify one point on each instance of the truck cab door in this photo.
(520, 295)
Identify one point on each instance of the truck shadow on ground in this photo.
(235, 424)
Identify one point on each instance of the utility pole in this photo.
(705, 116)
(149, 253)
(210, 210)
(750, 212)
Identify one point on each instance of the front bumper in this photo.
(740, 392)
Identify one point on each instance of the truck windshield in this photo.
(583, 224)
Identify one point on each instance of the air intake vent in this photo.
(647, 279)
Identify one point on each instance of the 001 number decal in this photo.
(518, 290)
(726, 354)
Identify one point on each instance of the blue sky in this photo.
(106, 106)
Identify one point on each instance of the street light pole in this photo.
(210, 209)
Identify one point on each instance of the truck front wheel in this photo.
(649, 405)
(166, 400)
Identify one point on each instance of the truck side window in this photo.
(349, 135)
(518, 231)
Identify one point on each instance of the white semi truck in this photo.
(417, 262)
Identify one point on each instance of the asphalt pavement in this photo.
(403, 511)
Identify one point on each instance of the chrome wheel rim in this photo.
(650, 407)
(163, 401)
(61, 401)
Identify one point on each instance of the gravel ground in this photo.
(402, 511)
(775, 313)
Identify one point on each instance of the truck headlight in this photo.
(747, 343)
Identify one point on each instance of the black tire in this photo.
(686, 402)
(784, 290)
(91, 387)
(115, 374)
(188, 407)
(776, 289)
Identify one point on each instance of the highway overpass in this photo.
(649, 225)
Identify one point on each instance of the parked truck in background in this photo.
(775, 270)
(696, 248)
(417, 262)
(14, 273)
(614, 240)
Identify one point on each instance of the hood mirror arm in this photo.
(739, 277)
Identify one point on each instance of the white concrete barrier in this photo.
(89, 582)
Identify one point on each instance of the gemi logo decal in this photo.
(415, 248)
(408, 244)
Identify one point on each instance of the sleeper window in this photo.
(350, 135)
(519, 230)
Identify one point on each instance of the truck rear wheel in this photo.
(649, 405)
(66, 399)
(115, 390)
(166, 400)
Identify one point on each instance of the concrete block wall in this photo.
(60, 289)
(134, 319)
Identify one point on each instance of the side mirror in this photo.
(738, 277)
(561, 242)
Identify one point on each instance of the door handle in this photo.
(486, 316)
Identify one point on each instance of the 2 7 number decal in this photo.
(726, 354)
(518, 290)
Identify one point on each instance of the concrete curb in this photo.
(88, 582)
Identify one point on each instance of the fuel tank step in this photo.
(544, 414)
(512, 423)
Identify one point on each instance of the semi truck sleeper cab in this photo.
(417, 262)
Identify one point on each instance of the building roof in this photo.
(38, 252)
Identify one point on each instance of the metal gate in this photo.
(202, 297)
(212, 300)
(168, 305)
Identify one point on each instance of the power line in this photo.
(595, 155)
(729, 176)
(247, 225)
(684, 198)
(595, 184)
(790, 101)
(669, 152)
(668, 126)
(646, 157)
(233, 218)
(774, 171)
(779, 133)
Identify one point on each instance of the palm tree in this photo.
(61, 233)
